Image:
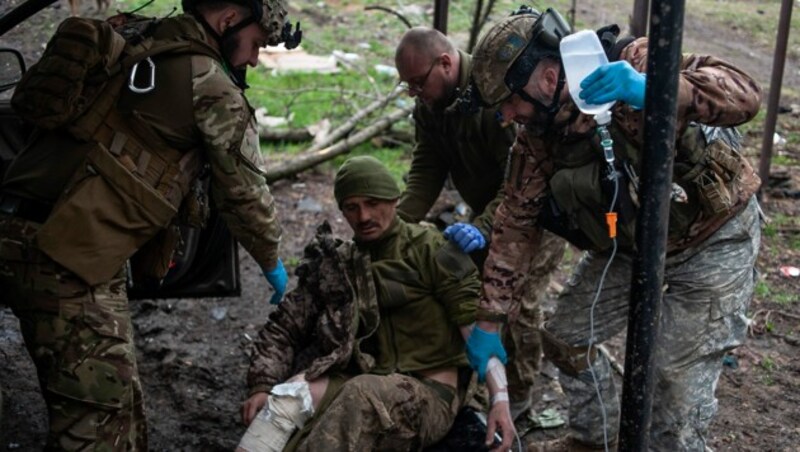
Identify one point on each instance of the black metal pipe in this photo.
(440, 8)
(638, 26)
(663, 65)
(778, 60)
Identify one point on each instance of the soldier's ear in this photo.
(547, 79)
(446, 60)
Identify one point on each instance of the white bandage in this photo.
(495, 369)
(501, 396)
(289, 406)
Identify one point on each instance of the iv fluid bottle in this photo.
(581, 54)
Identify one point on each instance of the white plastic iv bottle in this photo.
(581, 54)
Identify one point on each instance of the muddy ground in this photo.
(192, 353)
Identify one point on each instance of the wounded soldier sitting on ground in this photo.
(368, 352)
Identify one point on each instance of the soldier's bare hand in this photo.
(500, 420)
(252, 406)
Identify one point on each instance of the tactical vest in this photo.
(705, 180)
(131, 182)
(705, 175)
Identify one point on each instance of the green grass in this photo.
(786, 298)
(762, 289)
(757, 19)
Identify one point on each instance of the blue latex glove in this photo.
(482, 345)
(466, 236)
(277, 278)
(614, 81)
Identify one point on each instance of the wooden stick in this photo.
(613, 361)
(310, 159)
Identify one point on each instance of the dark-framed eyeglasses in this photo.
(418, 86)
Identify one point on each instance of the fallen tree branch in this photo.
(348, 125)
(611, 360)
(310, 159)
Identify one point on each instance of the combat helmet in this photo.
(507, 54)
(270, 14)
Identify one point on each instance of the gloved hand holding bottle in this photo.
(278, 279)
(617, 81)
(482, 345)
(466, 236)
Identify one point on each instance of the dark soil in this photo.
(192, 359)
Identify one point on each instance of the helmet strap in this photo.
(552, 109)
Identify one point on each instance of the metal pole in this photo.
(440, 8)
(573, 13)
(778, 60)
(664, 57)
(639, 18)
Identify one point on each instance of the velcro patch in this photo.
(511, 47)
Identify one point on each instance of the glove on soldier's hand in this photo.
(482, 345)
(614, 81)
(466, 236)
(277, 278)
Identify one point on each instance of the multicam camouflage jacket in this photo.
(470, 148)
(711, 92)
(394, 305)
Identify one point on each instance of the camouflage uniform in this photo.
(384, 311)
(701, 317)
(79, 334)
(472, 148)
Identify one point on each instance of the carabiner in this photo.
(132, 81)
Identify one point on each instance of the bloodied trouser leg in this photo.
(81, 341)
(383, 412)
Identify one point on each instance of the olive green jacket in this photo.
(471, 147)
(393, 305)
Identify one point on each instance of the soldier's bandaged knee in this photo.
(570, 360)
(289, 406)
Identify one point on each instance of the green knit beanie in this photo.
(364, 176)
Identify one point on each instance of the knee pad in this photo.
(289, 406)
(569, 359)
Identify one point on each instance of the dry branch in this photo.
(310, 159)
(348, 125)
(611, 360)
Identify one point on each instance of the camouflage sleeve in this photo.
(285, 334)
(710, 91)
(455, 280)
(238, 187)
(501, 139)
(515, 232)
(427, 174)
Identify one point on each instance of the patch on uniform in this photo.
(511, 47)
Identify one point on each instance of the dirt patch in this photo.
(192, 352)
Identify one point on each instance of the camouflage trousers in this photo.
(522, 339)
(703, 315)
(392, 412)
(81, 341)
